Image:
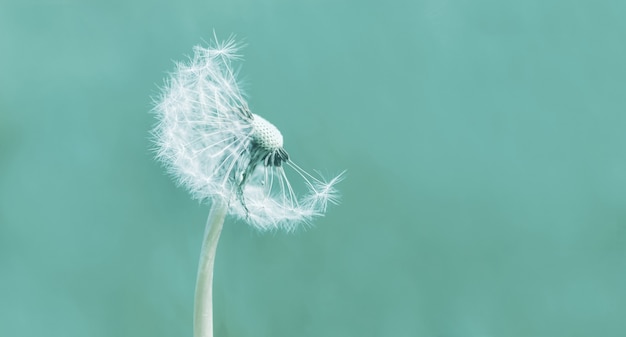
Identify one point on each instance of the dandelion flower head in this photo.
(212, 143)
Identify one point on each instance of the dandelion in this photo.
(211, 142)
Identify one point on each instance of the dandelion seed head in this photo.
(210, 141)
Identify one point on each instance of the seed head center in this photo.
(265, 134)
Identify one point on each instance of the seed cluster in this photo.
(265, 134)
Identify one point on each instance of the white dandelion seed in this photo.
(211, 142)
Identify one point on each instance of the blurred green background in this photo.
(484, 142)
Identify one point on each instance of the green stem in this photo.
(203, 306)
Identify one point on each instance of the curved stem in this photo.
(203, 306)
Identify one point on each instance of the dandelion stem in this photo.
(203, 306)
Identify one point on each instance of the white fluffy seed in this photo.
(266, 134)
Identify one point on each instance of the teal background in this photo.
(484, 142)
